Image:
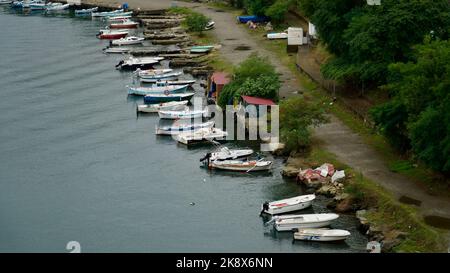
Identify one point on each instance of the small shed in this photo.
(216, 83)
(256, 101)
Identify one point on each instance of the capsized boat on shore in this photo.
(201, 135)
(321, 234)
(156, 98)
(301, 221)
(241, 166)
(288, 205)
(180, 128)
(157, 90)
(166, 106)
(223, 153)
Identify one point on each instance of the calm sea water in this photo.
(78, 164)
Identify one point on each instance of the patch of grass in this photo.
(400, 166)
(180, 11)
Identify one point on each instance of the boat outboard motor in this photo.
(265, 207)
(120, 63)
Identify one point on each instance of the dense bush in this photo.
(278, 10)
(196, 22)
(419, 112)
(296, 118)
(255, 76)
(257, 7)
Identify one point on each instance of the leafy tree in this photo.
(296, 118)
(277, 11)
(419, 111)
(196, 22)
(257, 7)
(255, 76)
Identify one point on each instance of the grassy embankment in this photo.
(389, 213)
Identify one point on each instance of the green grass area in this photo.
(389, 213)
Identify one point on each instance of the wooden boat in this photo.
(132, 40)
(157, 90)
(180, 128)
(156, 98)
(84, 12)
(301, 221)
(119, 50)
(124, 24)
(156, 77)
(107, 13)
(111, 35)
(241, 166)
(280, 35)
(134, 63)
(321, 234)
(223, 153)
(166, 106)
(201, 49)
(185, 114)
(57, 7)
(201, 135)
(288, 205)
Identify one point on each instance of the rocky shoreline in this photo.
(341, 201)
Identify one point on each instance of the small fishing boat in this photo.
(153, 71)
(124, 24)
(57, 7)
(166, 106)
(118, 50)
(223, 153)
(132, 40)
(180, 128)
(163, 83)
(156, 98)
(152, 78)
(321, 234)
(5, 2)
(106, 13)
(157, 90)
(85, 12)
(301, 221)
(241, 166)
(185, 114)
(201, 49)
(119, 14)
(280, 35)
(37, 6)
(134, 63)
(111, 35)
(117, 19)
(201, 135)
(288, 205)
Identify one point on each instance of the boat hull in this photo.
(149, 99)
(319, 238)
(183, 129)
(123, 26)
(289, 208)
(295, 226)
(241, 167)
(112, 36)
(155, 108)
(142, 91)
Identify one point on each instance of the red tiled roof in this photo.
(257, 101)
(220, 78)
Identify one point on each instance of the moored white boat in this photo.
(155, 77)
(223, 153)
(201, 135)
(165, 82)
(5, 2)
(301, 221)
(112, 34)
(107, 13)
(132, 40)
(117, 19)
(166, 106)
(57, 7)
(185, 114)
(157, 90)
(142, 63)
(180, 128)
(321, 234)
(241, 166)
(288, 205)
(124, 24)
(119, 50)
(157, 98)
(83, 12)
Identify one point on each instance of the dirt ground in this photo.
(336, 136)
